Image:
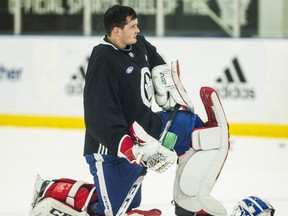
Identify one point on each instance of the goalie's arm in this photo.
(101, 104)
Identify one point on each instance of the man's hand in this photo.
(143, 149)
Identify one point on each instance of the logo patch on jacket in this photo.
(129, 69)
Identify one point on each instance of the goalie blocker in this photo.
(169, 89)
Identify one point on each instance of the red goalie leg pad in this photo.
(81, 198)
(60, 192)
(205, 94)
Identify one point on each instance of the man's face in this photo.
(128, 35)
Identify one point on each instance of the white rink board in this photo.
(42, 75)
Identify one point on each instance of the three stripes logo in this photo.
(234, 85)
(76, 83)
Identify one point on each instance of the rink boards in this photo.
(42, 79)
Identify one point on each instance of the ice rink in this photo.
(255, 166)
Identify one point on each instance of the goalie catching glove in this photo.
(145, 150)
(169, 89)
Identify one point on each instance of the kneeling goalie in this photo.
(201, 149)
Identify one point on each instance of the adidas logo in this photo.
(77, 79)
(239, 73)
(234, 85)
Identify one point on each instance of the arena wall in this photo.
(42, 79)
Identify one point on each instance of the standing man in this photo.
(122, 131)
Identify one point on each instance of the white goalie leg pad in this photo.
(182, 199)
(169, 88)
(200, 167)
(50, 206)
(196, 182)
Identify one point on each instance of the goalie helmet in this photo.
(253, 206)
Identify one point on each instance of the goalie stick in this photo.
(135, 187)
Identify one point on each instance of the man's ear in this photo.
(115, 30)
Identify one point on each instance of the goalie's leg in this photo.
(199, 168)
(113, 178)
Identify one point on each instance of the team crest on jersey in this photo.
(146, 87)
(129, 70)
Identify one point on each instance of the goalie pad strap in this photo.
(73, 191)
(206, 139)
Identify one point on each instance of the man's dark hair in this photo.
(116, 16)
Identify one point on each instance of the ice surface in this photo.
(255, 166)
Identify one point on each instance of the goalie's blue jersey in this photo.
(118, 91)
